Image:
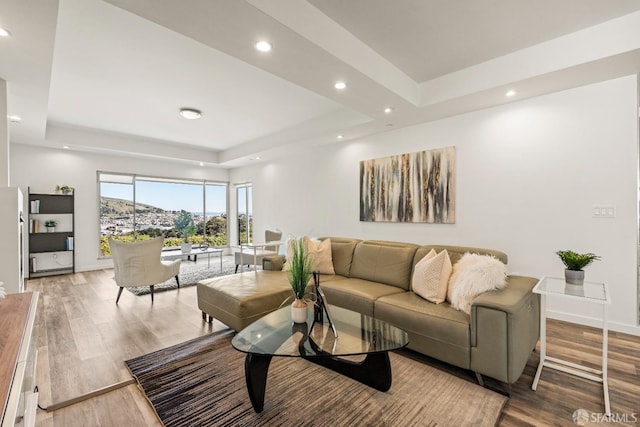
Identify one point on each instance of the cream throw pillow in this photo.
(473, 275)
(431, 276)
(289, 255)
(320, 253)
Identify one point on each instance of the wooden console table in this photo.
(18, 355)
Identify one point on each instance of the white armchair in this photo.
(139, 264)
(246, 255)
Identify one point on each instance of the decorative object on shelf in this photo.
(184, 225)
(299, 275)
(64, 189)
(575, 262)
(34, 206)
(321, 307)
(51, 225)
(411, 187)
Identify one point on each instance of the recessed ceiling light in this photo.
(254, 158)
(201, 163)
(510, 93)
(14, 118)
(263, 46)
(340, 85)
(340, 136)
(388, 110)
(66, 147)
(190, 113)
(4, 32)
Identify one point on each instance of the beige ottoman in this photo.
(238, 300)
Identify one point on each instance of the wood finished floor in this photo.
(84, 339)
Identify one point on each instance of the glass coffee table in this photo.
(358, 335)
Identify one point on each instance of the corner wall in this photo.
(42, 169)
(528, 175)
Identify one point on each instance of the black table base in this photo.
(374, 371)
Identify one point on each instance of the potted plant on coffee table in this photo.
(575, 263)
(300, 272)
(184, 225)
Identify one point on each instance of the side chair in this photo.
(139, 264)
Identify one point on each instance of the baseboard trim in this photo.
(594, 322)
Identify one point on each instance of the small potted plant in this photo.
(64, 189)
(300, 272)
(575, 262)
(51, 225)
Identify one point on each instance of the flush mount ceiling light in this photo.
(340, 85)
(190, 113)
(66, 147)
(4, 32)
(510, 93)
(388, 110)
(263, 46)
(14, 119)
(339, 136)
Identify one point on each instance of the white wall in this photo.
(528, 174)
(43, 169)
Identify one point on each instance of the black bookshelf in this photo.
(51, 251)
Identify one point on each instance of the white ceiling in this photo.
(110, 76)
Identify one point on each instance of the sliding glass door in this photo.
(245, 213)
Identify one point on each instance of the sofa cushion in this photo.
(240, 299)
(447, 330)
(473, 275)
(390, 263)
(342, 253)
(456, 252)
(431, 276)
(356, 294)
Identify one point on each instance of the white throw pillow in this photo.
(320, 253)
(431, 276)
(473, 275)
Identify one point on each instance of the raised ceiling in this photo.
(110, 76)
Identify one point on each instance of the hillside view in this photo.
(117, 220)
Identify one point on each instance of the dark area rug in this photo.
(201, 383)
(191, 273)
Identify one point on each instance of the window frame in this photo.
(145, 177)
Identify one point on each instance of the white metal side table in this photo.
(590, 292)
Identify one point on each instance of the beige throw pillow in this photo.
(289, 255)
(320, 254)
(431, 276)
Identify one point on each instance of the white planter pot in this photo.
(299, 311)
(51, 229)
(186, 248)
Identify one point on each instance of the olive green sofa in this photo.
(374, 278)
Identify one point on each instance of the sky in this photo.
(169, 196)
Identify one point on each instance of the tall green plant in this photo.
(300, 271)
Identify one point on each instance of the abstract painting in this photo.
(413, 187)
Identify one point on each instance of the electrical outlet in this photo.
(604, 211)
